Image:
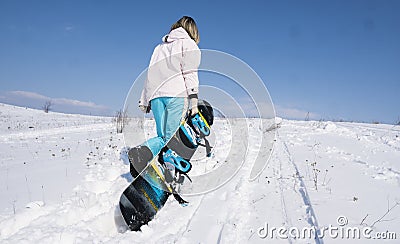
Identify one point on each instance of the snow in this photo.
(61, 177)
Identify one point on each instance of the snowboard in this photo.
(149, 190)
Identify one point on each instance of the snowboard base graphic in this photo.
(144, 197)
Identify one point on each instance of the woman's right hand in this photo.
(193, 105)
(145, 109)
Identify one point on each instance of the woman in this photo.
(172, 81)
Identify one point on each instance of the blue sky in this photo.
(334, 59)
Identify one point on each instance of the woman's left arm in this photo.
(191, 57)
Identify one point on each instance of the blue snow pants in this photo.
(168, 113)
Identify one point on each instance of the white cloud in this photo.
(65, 105)
(295, 113)
(77, 103)
(69, 28)
(27, 94)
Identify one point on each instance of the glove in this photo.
(193, 106)
(145, 109)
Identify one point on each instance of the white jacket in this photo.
(173, 68)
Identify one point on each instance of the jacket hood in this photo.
(175, 34)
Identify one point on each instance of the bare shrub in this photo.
(307, 118)
(47, 106)
(121, 119)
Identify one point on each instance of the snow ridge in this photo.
(61, 179)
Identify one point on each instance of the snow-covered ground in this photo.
(61, 177)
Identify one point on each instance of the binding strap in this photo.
(207, 146)
(180, 199)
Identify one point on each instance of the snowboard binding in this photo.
(180, 164)
(200, 125)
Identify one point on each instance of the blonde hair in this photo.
(190, 27)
